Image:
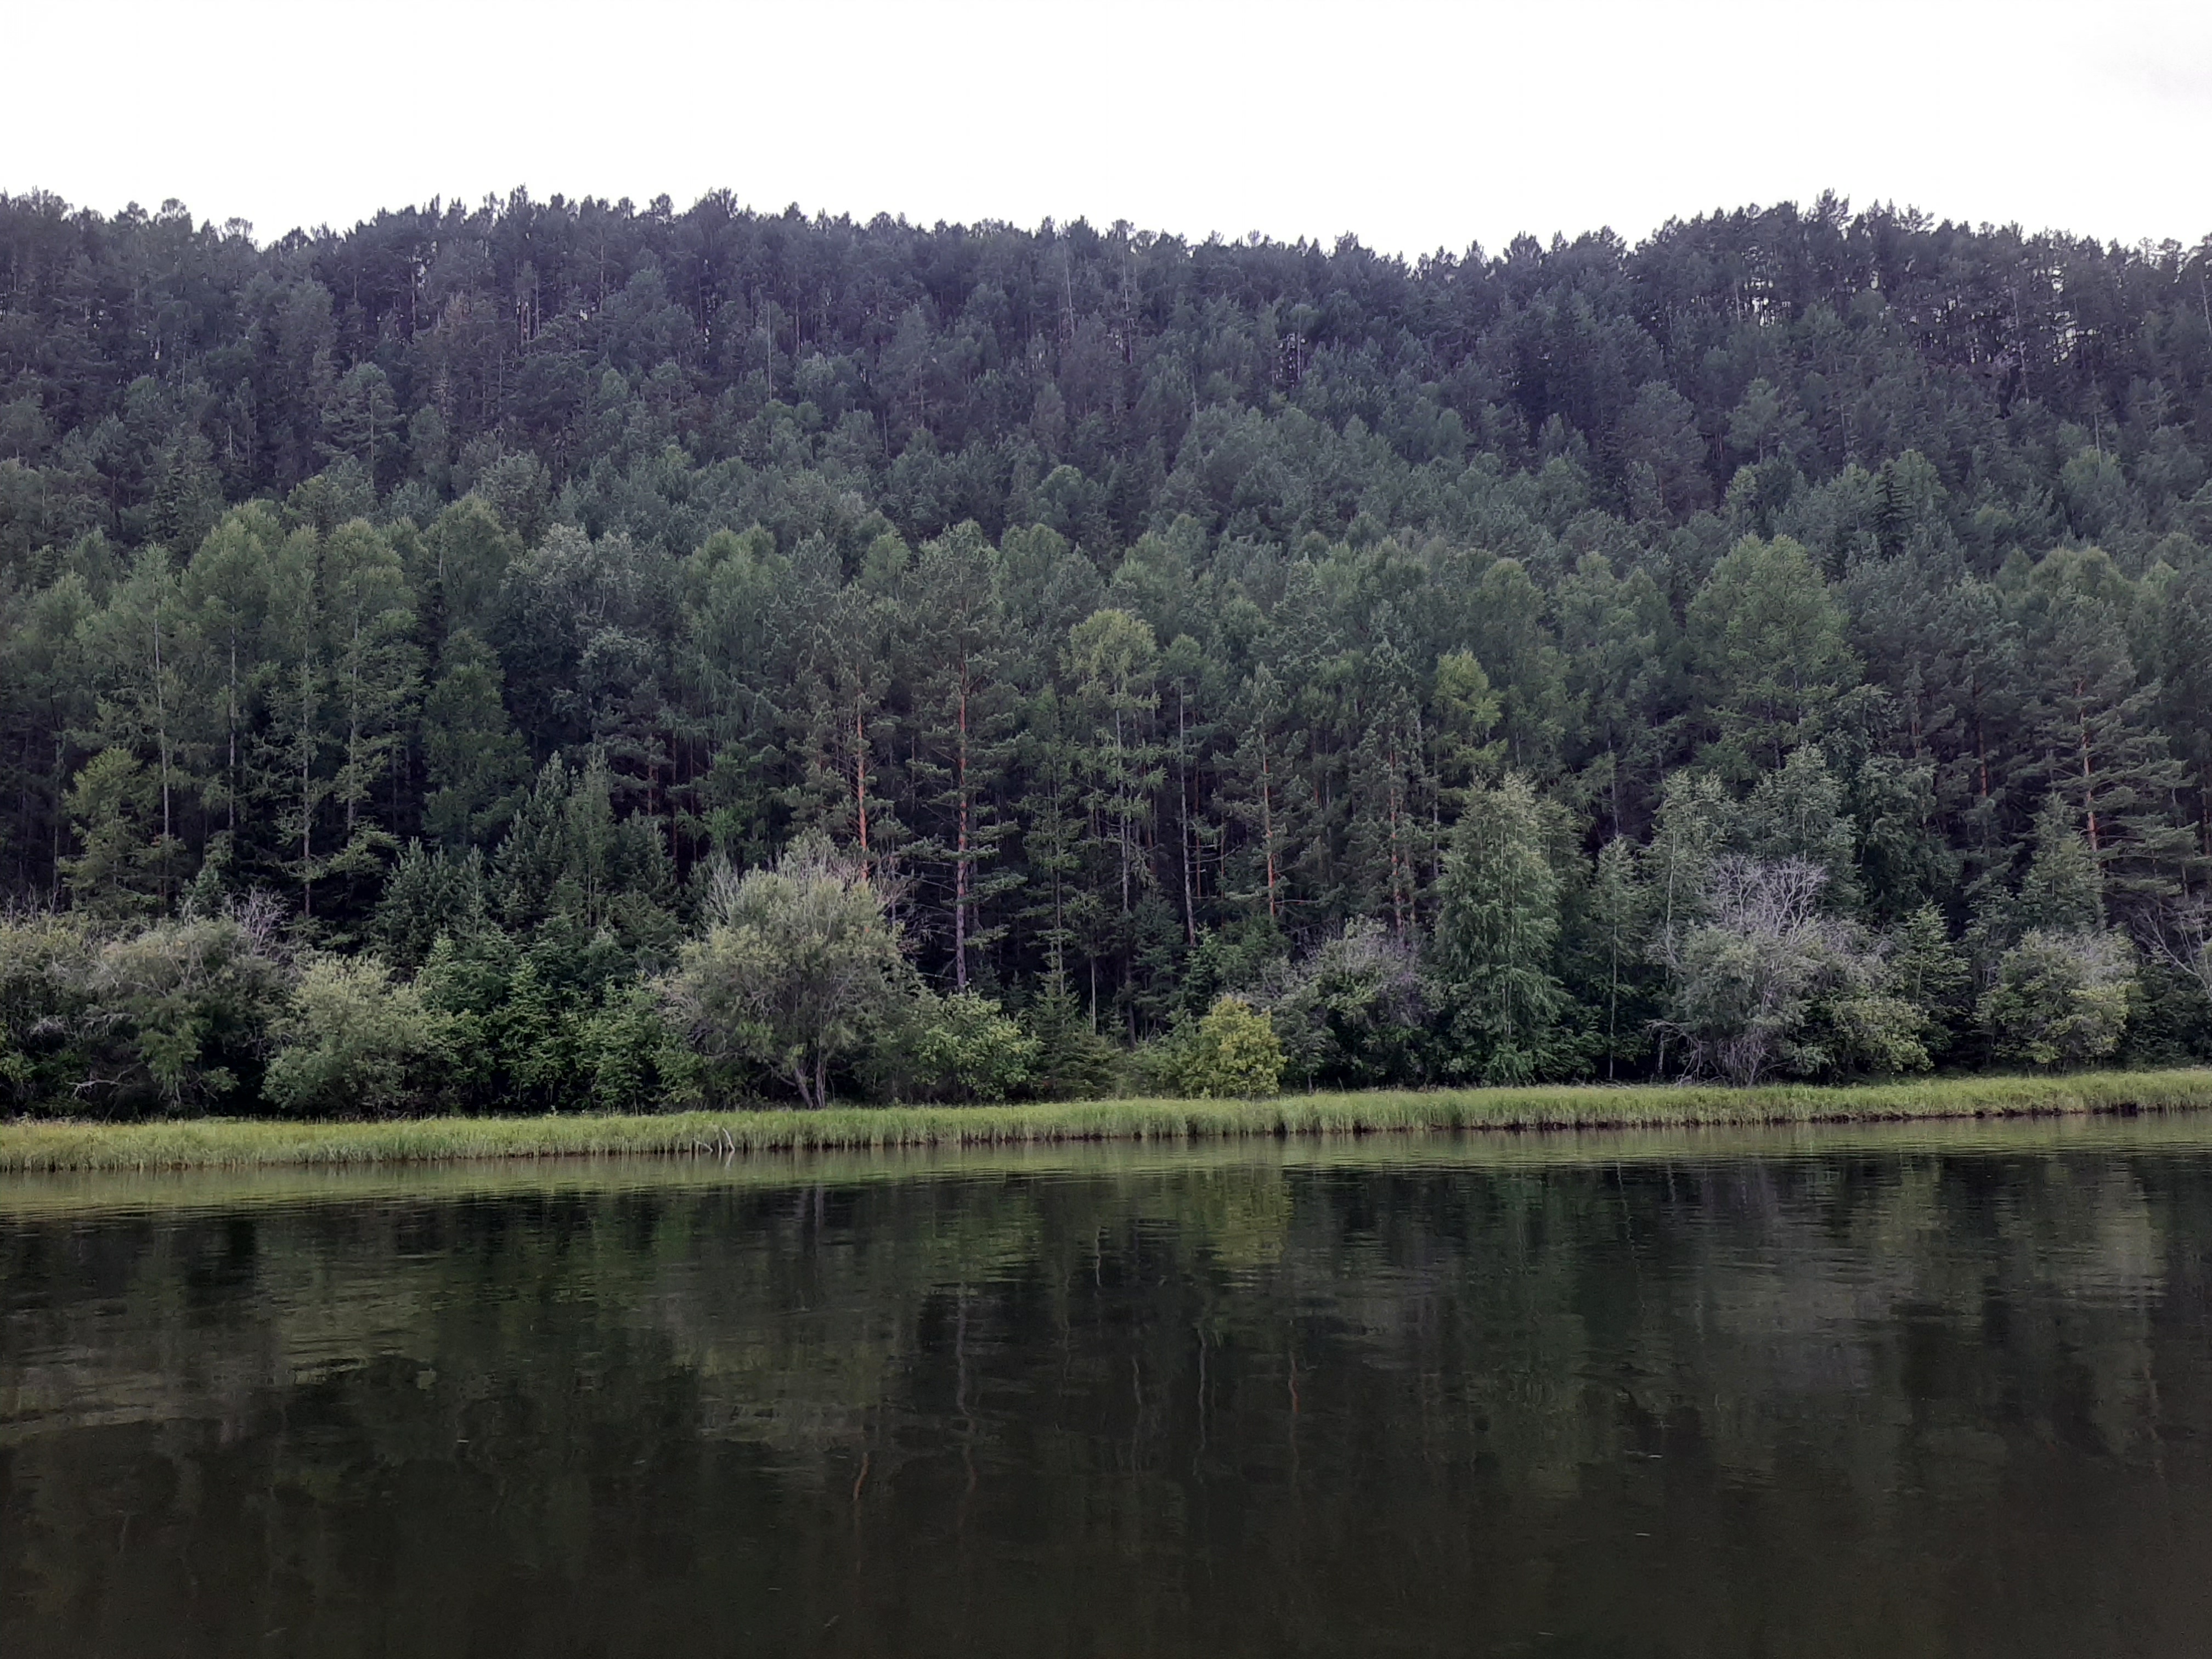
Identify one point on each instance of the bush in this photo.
(126, 1020)
(1768, 983)
(2061, 999)
(635, 1061)
(964, 1048)
(46, 971)
(356, 1045)
(193, 1001)
(557, 1023)
(1233, 1053)
(1355, 1013)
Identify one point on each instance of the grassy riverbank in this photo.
(224, 1142)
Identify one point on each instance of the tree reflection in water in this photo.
(1709, 1395)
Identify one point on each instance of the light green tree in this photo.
(475, 764)
(1767, 640)
(964, 1047)
(1496, 937)
(1615, 938)
(1929, 975)
(111, 804)
(799, 966)
(375, 678)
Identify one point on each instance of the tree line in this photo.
(549, 653)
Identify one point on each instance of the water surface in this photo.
(1918, 1390)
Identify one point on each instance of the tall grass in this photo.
(224, 1142)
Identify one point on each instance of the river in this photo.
(1897, 1391)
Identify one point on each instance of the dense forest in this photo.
(555, 652)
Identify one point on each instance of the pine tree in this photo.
(1392, 800)
(227, 589)
(1767, 640)
(1112, 659)
(2063, 891)
(2091, 724)
(375, 680)
(841, 727)
(141, 642)
(963, 710)
(1929, 974)
(1260, 787)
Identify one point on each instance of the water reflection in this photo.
(1941, 1393)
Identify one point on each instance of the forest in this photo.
(551, 654)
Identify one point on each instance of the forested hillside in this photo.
(1783, 647)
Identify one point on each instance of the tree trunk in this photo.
(960, 854)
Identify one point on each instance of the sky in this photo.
(1413, 126)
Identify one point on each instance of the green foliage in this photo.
(1232, 1054)
(1929, 975)
(537, 1022)
(1767, 638)
(2060, 998)
(799, 967)
(172, 1018)
(1072, 1061)
(962, 1047)
(431, 895)
(632, 1059)
(1613, 959)
(355, 1044)
(1182, 649)
(1797, 811)
(196, 998)
(109, 805)
(1354, 1013)
(1497, 939)
(473, 761)
(1765, 981)
(2062, 891)
(46, 962)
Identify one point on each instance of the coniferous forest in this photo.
(562, 654)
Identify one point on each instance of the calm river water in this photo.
(1895, 1393)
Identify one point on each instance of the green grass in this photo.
(230, 1144)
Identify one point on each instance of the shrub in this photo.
(45, 969)
(1233, 1053)
(1767, 982)
(964, 1048)
(190, 1003)
(529, 1021)
(1355, 1014)
(125, 1020)
(355, 1044)
(635, 1061)
(2060, 998)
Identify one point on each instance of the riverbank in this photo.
(216, 1142)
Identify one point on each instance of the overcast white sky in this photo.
(1414, 126)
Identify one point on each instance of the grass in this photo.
(216, 1142)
